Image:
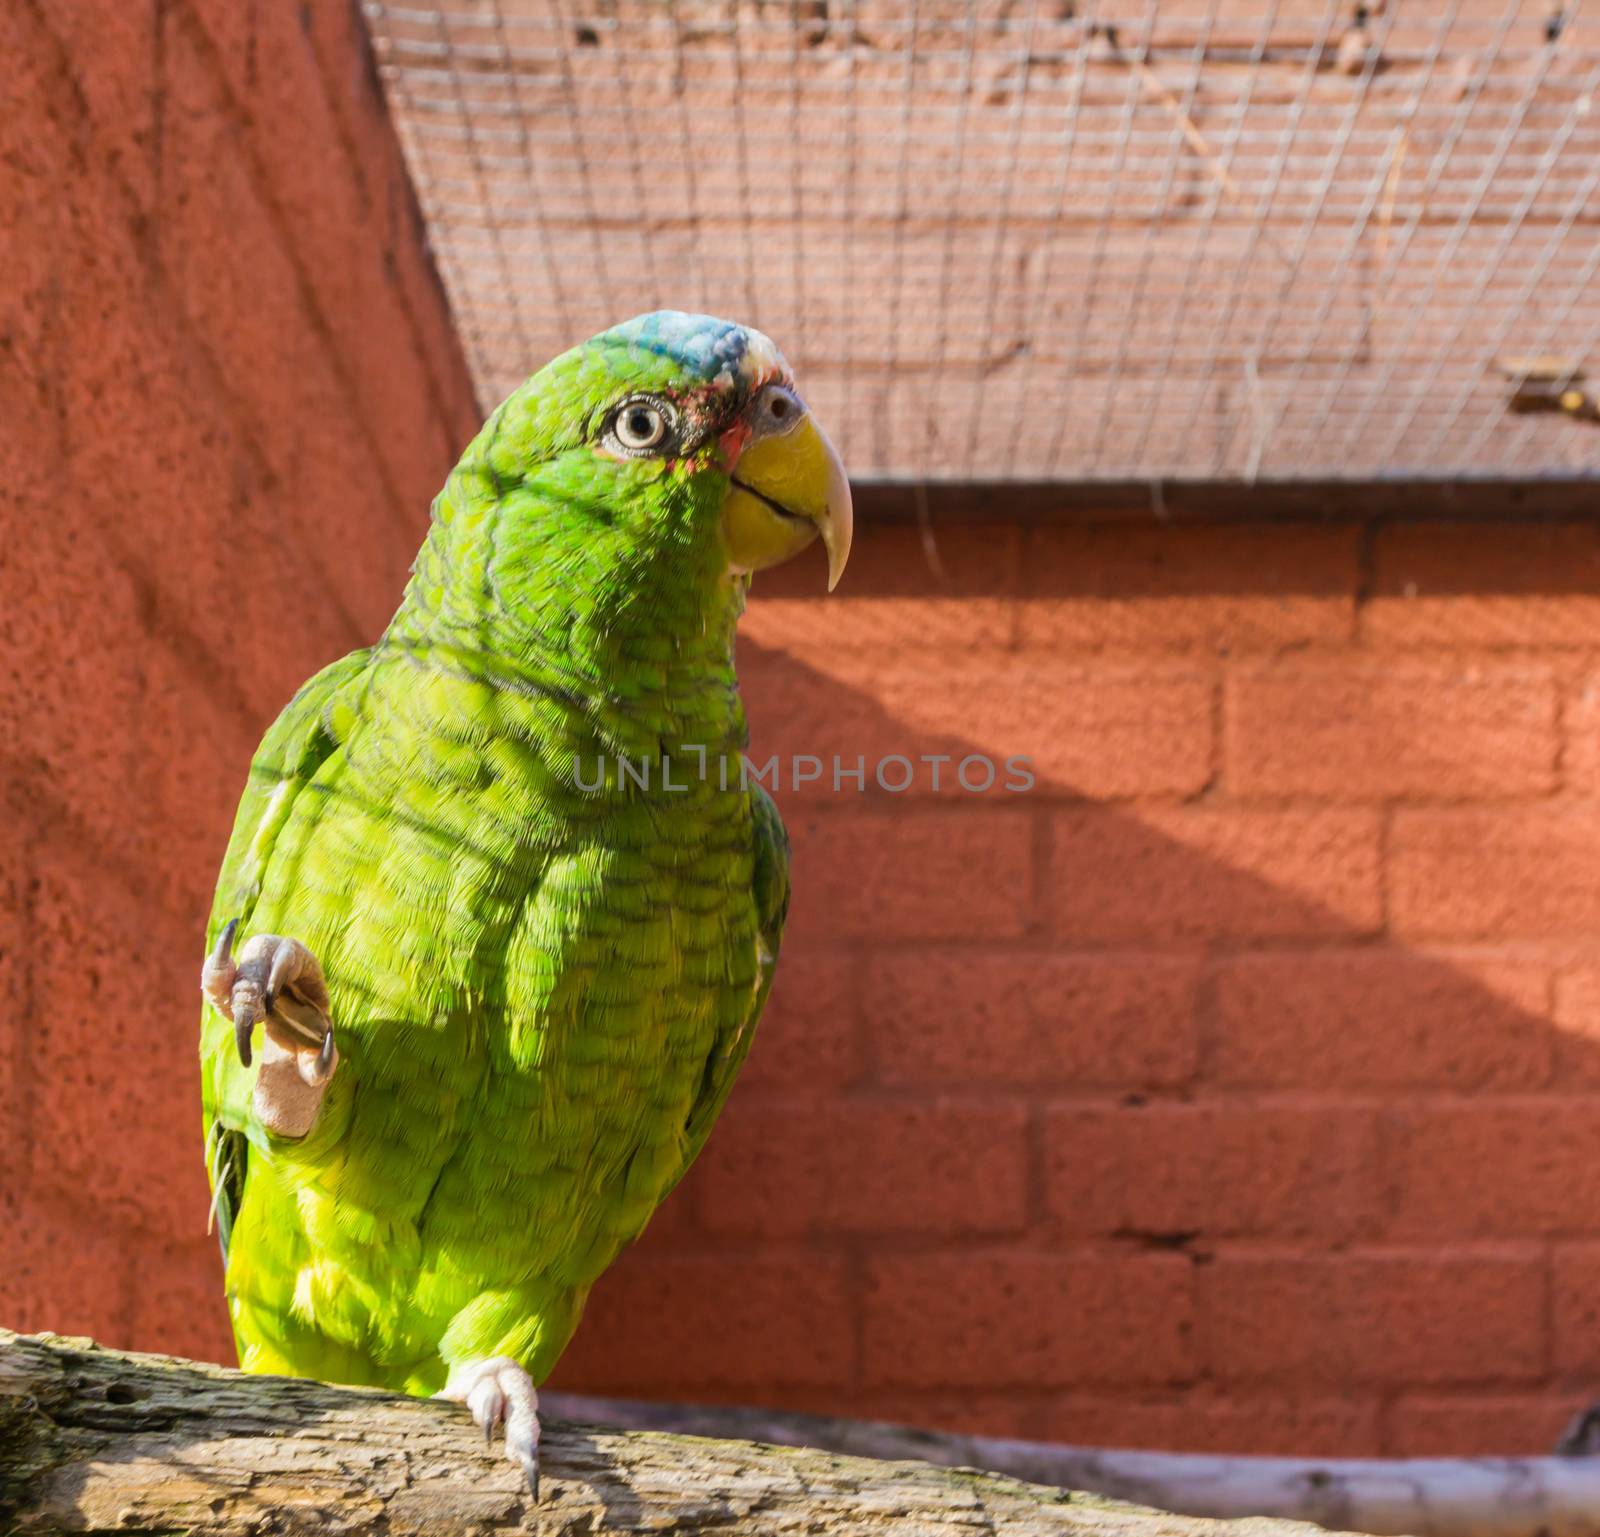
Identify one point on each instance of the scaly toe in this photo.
(522, 1447)
(487, 1405)
(499, 1389)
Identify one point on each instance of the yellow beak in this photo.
(787, 489)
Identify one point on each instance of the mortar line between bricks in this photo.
(857, 1273)
(1206, 1025)
(261, 184)
(192, 347)
(1226, 951)
(1089, 655)
(1387, 1398)
(935, 1095)
(1036, 1181)
(930, 1243)
(1548, 1309)
(1390, 1182)
(1127, 946)
(1553, 971)
(1108, 520)
(862, 1065)
(1386, 873)
(1560, 787)
(1129, 808)
(1040, 918)
(1523, 1251)
(1283, 804)
(1215, 788)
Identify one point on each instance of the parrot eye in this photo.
(640, 426)
(776, 410)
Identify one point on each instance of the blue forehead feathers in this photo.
(702, 344)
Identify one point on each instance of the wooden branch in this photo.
(1427, 1497)
(96, 1441)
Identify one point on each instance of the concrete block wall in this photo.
(228, 389)
(1235, 1087)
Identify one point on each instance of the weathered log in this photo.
(96, 1441)
(1425, 1497)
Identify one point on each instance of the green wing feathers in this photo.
(770, 883)
(587, 967)
(296, 745)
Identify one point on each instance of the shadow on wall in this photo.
(1233, 1088)
(1236, 1088)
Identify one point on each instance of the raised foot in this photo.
(277, 983)
(498, 1389)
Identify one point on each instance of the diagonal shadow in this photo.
(1081, 1114)
(1114, 1112)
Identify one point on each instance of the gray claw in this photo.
(325, 1055)
(531, 1469)
(218, 976)
(224, 945)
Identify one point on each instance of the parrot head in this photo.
(682, 427)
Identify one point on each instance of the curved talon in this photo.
(223, 949)
(218, 973)
(500, 1389)
(243, 1024)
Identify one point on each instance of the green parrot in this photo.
(499, 895)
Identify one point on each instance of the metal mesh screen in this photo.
(1041, 239)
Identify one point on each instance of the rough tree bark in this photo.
(96, 1441)
(1425, 1497)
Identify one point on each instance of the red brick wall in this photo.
(1237, 1087)
(228, 390)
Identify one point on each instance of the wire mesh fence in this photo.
(1043, 239)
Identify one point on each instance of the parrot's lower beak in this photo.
(787, 489)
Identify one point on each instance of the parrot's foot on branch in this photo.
(499, 1389)
(277, 982)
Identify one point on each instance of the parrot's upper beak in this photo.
(787, 489)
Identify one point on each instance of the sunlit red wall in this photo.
(1238, 1086)
(228, 390)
